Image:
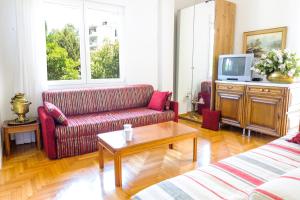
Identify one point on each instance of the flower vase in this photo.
(278, 77)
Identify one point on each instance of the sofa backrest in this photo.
(91, 100)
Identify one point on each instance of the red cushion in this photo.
(295, 139)
(56, 113)
(168, 102)
(158, 100)
(211, 119)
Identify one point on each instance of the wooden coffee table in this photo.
(144, 139)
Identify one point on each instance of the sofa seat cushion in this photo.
(79, 136)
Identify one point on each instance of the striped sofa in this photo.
(269, 172)
(93, 111)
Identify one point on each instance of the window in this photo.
(63, 42)
(103, 27)
(83, 41)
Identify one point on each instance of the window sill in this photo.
(52, 85)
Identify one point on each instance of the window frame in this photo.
(83, 6)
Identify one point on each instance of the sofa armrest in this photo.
(174, 107)
(48, 133)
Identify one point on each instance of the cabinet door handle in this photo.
(229, 87)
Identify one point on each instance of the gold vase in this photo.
(20, 106)
(278, 77)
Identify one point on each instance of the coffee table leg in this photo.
(195, 149)
(171, 146)
(118, 170)
(101, 161)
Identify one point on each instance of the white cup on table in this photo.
(128, 132)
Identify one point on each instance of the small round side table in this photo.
(15, 129)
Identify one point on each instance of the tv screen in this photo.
(234, 66)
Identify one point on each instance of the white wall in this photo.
(141, 42)
(262, 14)
(149, 33)
(166, 45)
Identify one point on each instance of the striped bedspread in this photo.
(232, 178)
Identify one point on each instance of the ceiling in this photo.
(179, 4)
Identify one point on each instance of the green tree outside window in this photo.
(63, 56)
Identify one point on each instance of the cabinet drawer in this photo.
(265, 90)
(230, 87)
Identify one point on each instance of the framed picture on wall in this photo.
(262, 41)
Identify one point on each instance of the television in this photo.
(235, 67)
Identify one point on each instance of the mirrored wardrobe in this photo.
(194, 63)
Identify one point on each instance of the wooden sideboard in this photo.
(268, 108)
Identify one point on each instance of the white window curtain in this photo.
(30, 75)
(1, 118)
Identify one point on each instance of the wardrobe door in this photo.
(203, 44)
(185, 55)
(195, 51)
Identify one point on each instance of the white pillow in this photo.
(285, 187)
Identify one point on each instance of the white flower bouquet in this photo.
(282, 61)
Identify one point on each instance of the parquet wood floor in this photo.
(29, 174)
